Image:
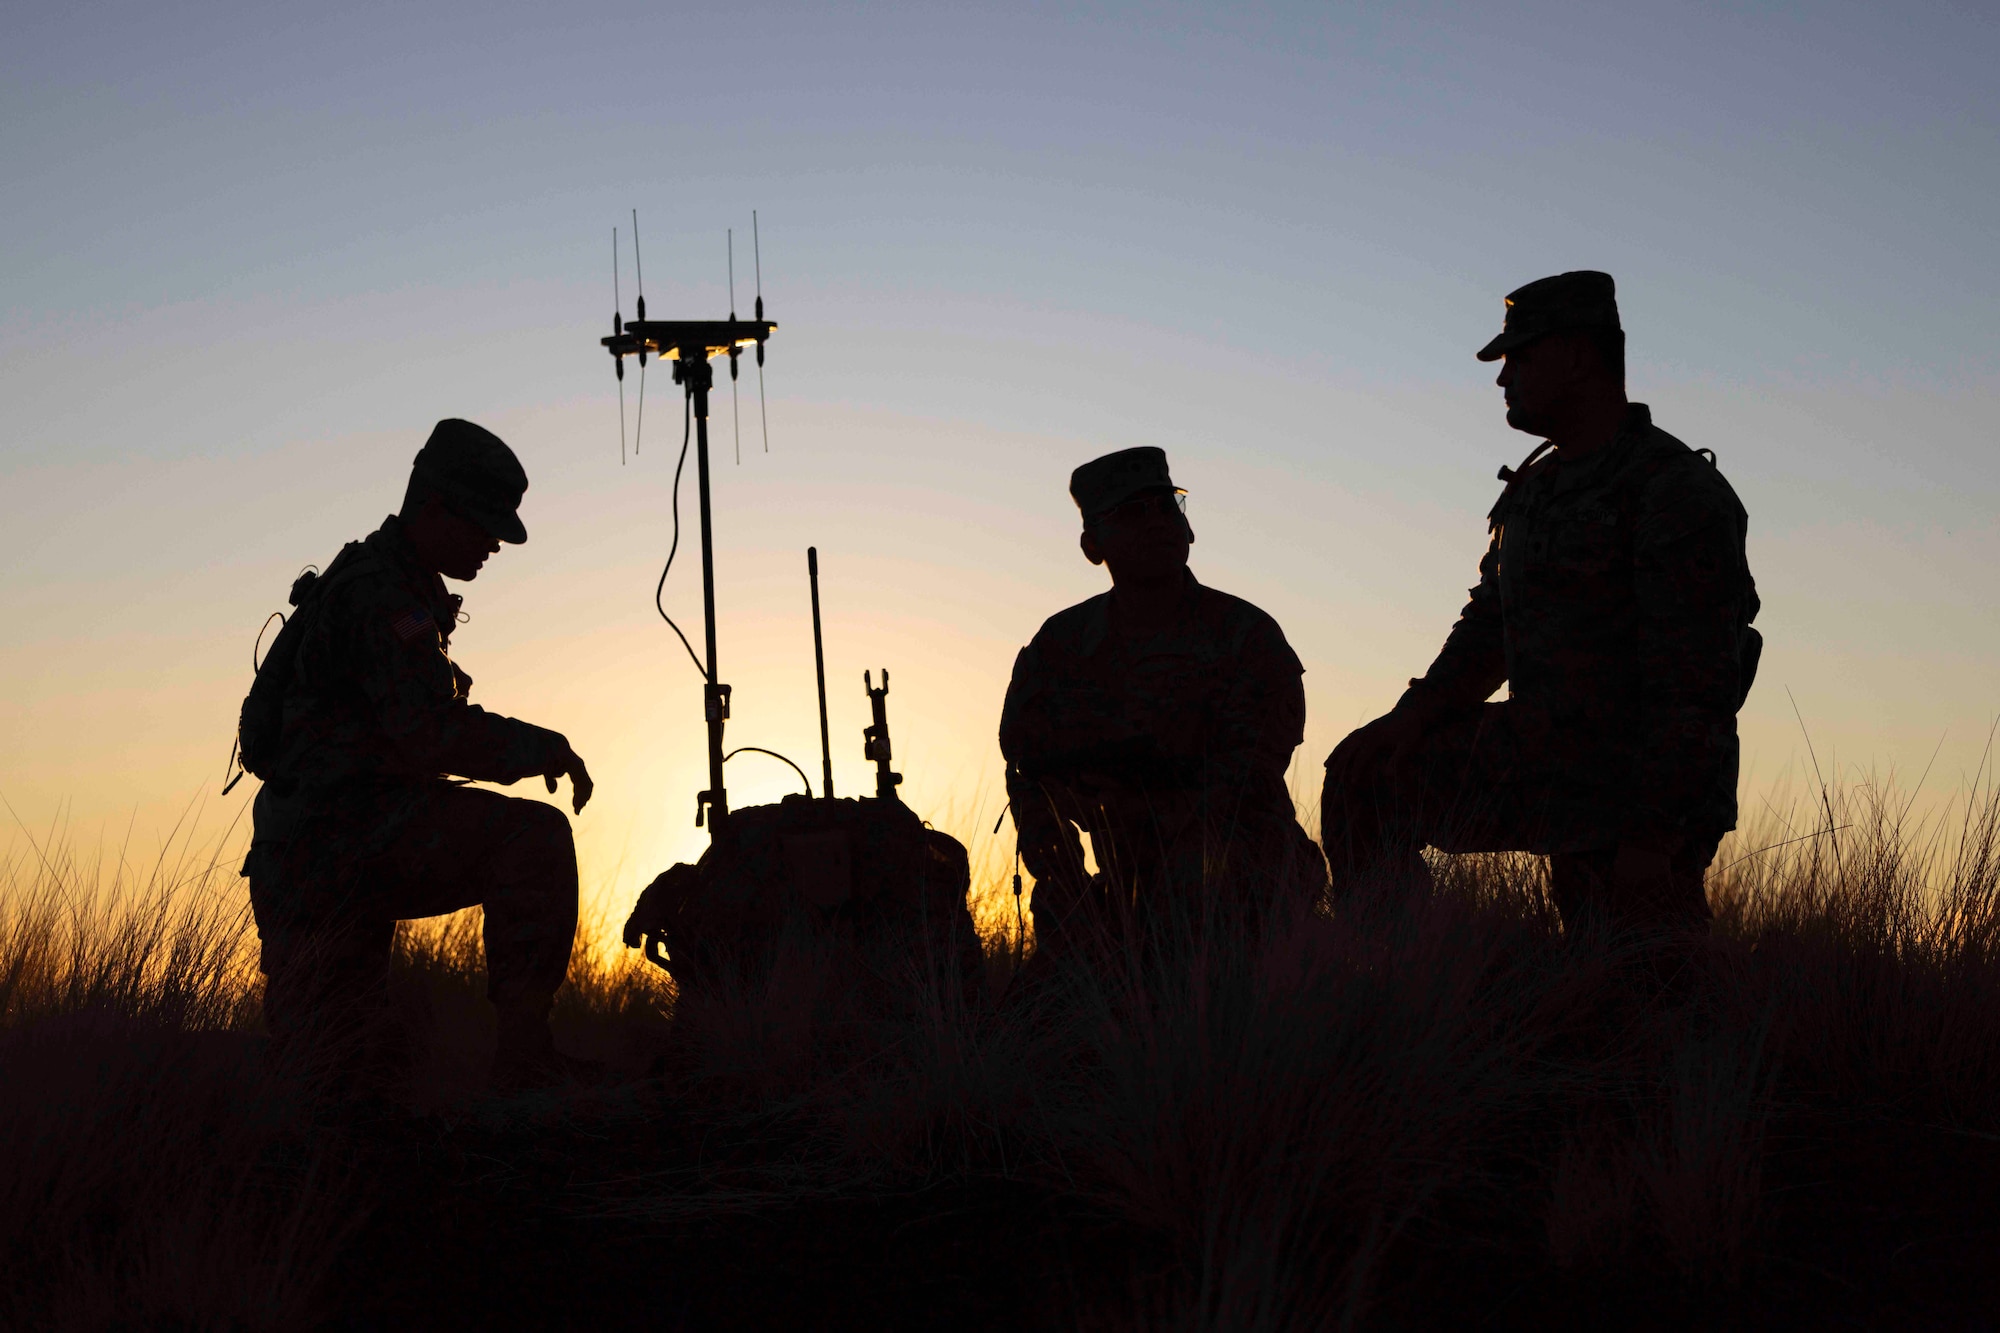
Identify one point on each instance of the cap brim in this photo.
(506, 527)
(1507, 342)
(1133, 493)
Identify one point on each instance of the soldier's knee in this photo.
(545, 825)
(1348, 809)
(542, 841)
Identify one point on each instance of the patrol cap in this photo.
(472, 470)
(1107, 482)
(1580, 299)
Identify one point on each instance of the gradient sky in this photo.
(252, 254)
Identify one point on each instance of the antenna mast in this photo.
(689, 344)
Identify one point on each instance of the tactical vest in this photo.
(1626, 488)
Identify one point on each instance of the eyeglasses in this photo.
(1142, 507)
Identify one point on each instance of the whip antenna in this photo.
(735, 404)
(819, 671)
(757, 253)
(617, 328)
(639, 265)
(639, 428)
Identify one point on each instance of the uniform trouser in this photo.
(327, 928)
(1482, 781)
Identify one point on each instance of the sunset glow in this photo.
(970, 308)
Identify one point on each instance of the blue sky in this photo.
(253, 253)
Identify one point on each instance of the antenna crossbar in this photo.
(686, 339)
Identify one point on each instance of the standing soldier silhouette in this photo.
(1159, 718)
(357, 717)
(1615, 602)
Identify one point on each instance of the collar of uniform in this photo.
(1097, 629)
(393, 544)
(1638, 420)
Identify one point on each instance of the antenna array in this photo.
(689, 345)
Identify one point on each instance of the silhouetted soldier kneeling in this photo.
(1615, 602)
(1158, 717)
(356, 718)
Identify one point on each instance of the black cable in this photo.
(640, 431)
(758, 749)
(256, 648)
(1020, 921)
(687, 429)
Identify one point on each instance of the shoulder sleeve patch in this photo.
(412, 623)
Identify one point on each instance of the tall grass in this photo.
(1341, 1122)
(151, 1174)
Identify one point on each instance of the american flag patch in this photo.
(413, 623)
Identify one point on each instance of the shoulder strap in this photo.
(354, 558)
(1654, 452)
(1512, 476)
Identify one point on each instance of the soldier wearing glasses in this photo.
(1158, 717)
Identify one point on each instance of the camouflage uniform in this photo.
(1614, 600)
(357, 827)
(1171, 753)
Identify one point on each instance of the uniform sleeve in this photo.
(1694, 595)
(1049, 844)
(1473, 662)
(1262, 718)
(399, 662)
(1021, 720)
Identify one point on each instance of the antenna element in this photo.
(735, 406)
(618, 327)
(757, 253)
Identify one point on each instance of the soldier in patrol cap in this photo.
(1158, 717)
(1614, 601)
(356, 826)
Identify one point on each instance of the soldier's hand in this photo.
(580, 786)
(1045, 859)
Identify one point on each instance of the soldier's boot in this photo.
(1660, 936)
(526, 1057)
